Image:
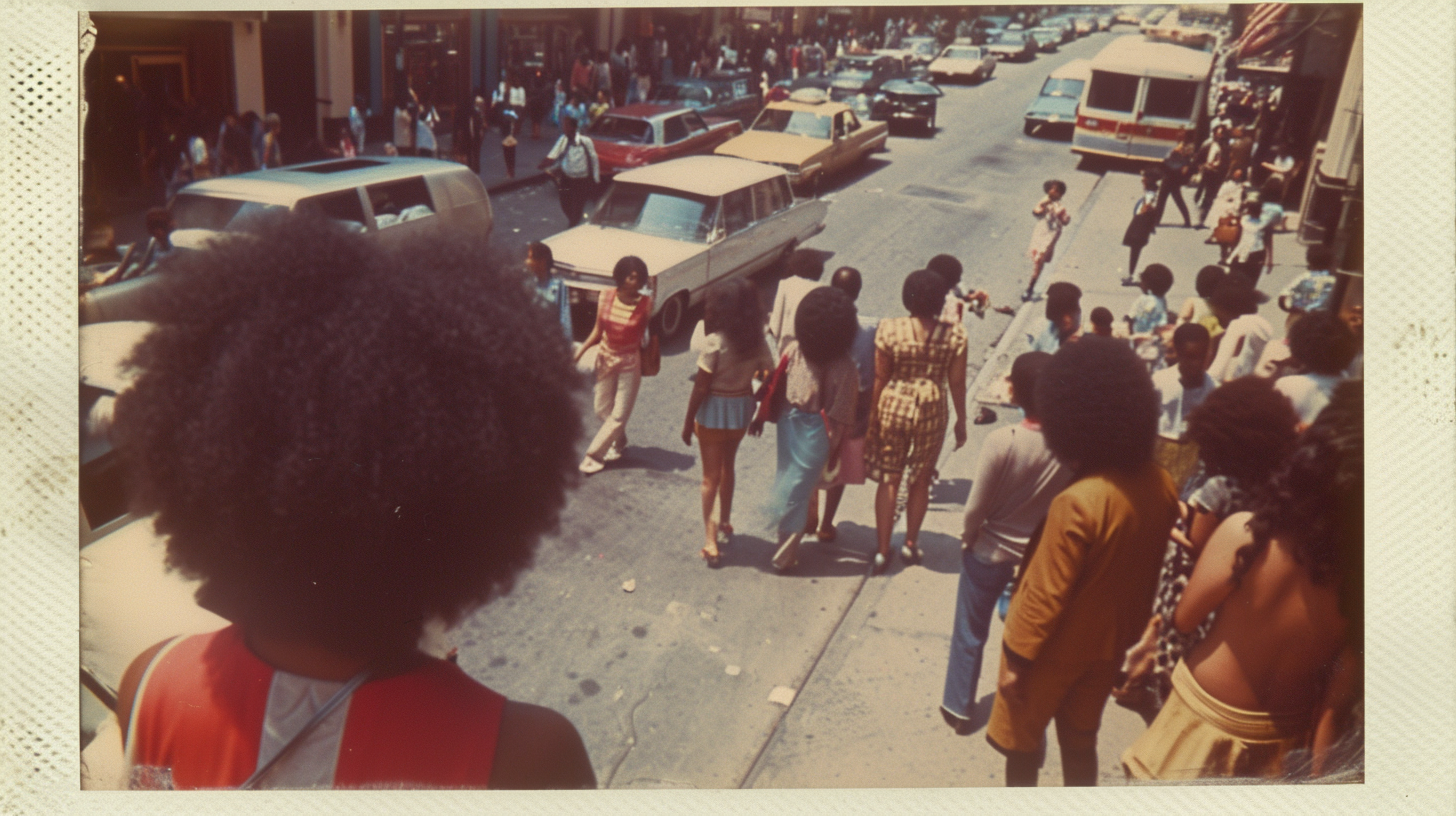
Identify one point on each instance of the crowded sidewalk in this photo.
(867, 714)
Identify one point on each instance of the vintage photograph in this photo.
(722, 397)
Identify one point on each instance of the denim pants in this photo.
(803, 449)
(980, 587)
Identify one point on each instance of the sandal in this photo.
(780, 557)
(725, 534)
(827, 534)
(881, 563)
(910, 553)
(714, 559)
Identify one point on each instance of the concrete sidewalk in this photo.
(867, 715)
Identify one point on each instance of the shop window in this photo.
(1113, 92)
(1170, 98)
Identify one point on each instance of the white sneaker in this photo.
(589, 466)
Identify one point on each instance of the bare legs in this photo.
(718, 484)
(917, 502)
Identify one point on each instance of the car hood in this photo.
(593, 250)
(952, 64)
(1065, 106)
(767, 146)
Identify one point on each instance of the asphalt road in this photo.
(669, 684)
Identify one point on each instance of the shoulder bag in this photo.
(772, 395)
(1228, 232)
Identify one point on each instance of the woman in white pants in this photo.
(622, 315)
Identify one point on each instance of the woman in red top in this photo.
(621, 327)
(341, 450)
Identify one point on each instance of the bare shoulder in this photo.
(538, 749)
(1230, 535)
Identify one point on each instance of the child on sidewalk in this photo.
(1149, 313)
(1051, 216)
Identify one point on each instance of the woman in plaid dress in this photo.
(916, 357)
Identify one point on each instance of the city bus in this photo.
(1143, 98)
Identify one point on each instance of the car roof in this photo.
(1076, 69)
(825, 108)
(286, 185)
(702, 175)
(1137, 55)
(646, 110)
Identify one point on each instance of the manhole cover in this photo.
(922, 191)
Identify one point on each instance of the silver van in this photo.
(372, 194)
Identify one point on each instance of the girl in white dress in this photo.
(1051, 216)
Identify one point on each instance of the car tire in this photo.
(672, 318)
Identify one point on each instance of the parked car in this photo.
(922, 49)
(1048, 38)
(375, 194)
(719, 94)
(695, 221)
(963, 62)
(636, 135)
(809, 136)
(857, 77)
(1014, 46)
(901, 100)
(1085, 24)
(1056, 105)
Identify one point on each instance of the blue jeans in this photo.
(980, 587)
(803, 448)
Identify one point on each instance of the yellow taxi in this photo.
(809, 136)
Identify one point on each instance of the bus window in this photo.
(1170, 98)
(1113, 92)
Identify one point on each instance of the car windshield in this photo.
(694, 95)
(963, 53)
(193, 211)
(1012, 38)
(797, 122)
(621, 129)
(1063, 87)
(656, 211)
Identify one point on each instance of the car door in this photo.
(773, 228)
(735, 248)
(858, 139)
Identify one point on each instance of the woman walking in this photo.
(916, 359)
(1144, 222)
(721, 405)
(1051, 216)
(620, 330)
(820, 387)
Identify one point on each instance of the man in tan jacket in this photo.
(1087, 585)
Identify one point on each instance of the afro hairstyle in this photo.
(1244, 429)
(1101, 317)
(1025, 371)
(1316, 501)
(1190, 333)
(735, 310)
(946, 266)
(1235, 295)
(1062, 298)
(923, 293)
(1157, 279)
(342, 438)
(626, 265)
(1208, 279)
(807, 264)
(1322, 342)
(1054, 184)
(1097, 406)
(825, 324)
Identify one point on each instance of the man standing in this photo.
(1213, 170)
(576, 169)
(1176, 169)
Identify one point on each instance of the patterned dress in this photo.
(912, 412)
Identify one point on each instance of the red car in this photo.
(636, 135)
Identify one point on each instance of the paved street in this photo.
(670, 684)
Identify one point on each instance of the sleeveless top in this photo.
(622, 328)
(208, 712)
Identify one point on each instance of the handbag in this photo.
(1228, 232)
(772, 397)
(651, 354)
(847, 468)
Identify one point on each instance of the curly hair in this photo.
(339, 446)
(1062, 298)
(1025, 371)
(825, 324)
(626, 266)
(1316, 501)
(924, 293)
(1097, 405)
(1156, 278)
(1208, 279)
(1054, 184)
(1244, 429)
(1235, 295)
(1322, 342)
(734, 309)
(946, 266)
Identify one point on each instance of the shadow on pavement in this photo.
(939, 553)
(640, 458)
(950, 491)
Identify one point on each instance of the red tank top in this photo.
(622, 325)
(207, 706)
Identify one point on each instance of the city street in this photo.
(667, 668)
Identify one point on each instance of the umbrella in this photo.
(909, 87)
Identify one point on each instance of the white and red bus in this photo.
(1143, 98)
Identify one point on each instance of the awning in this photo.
(1264, 30)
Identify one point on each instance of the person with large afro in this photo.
(1087, 584)
(343, 439)
(821, 385)
(1281, 667)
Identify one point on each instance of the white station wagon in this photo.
(695, 221)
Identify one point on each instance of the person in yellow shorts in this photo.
(1085, 589)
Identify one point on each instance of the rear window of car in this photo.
(621, 129)
(674, 129)
(656, 211)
